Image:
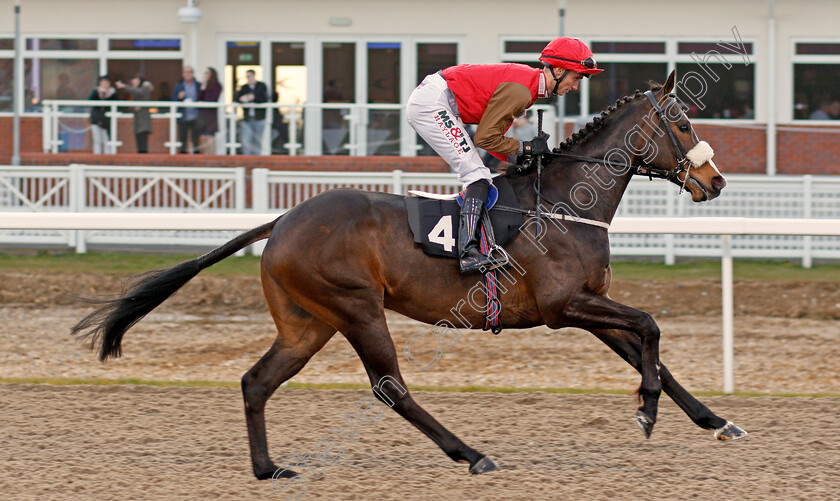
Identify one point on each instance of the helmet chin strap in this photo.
(556, 80)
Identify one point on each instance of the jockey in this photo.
(492, 96)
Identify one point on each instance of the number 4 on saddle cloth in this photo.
(433, 220)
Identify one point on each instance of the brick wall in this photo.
(324, 163)
(738, 149)
(30, 137)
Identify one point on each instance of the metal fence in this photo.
(154, 189)
(79, 188)
(355, 129)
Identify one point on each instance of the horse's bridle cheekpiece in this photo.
(683, 163)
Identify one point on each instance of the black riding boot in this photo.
(469, 229)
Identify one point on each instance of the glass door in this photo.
(383, 87)
(289, 86)
(338, 87)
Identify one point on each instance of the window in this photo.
(816, 71)
(6, 74)
(619, 80)
(7, 44)
(383, 82)
(58, 79)
(431, 58)
(628, 47)
(241, 57)
(632, 64)
(162, 73)
(527, 52)
(732, 96)
(289, 85)
(61, 44)
(730, 84)
(69, 67)
(338, 86)
(145, 44)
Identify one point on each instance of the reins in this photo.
(683, 165)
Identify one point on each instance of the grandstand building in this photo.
(761, 78)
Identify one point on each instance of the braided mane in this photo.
(589, 130)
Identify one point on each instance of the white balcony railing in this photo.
(306, 128)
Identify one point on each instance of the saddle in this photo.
(433, 218)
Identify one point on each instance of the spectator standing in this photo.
(187, 90)
(100, 122)
(140, 90)
(828, 110)
(253, 123)
(208, 118)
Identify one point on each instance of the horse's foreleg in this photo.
(592, 311)
(373, 343)
(627, 346)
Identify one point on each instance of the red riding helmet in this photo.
(569, 54)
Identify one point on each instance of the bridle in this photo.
(683, 163)
(649, 171)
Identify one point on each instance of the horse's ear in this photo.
(669, 84)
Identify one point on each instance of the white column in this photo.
(259, 201)
(728, 313)
(807, 213)
(17, 88)
(771, 89)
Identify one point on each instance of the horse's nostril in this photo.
(718, 182)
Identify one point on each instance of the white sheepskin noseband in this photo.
(700, 154)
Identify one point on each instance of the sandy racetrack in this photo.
(129, 442)
(136, 442)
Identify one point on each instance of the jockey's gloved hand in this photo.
(535, 147)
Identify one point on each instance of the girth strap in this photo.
(487, 245)
(551, 215)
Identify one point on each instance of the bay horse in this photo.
(336, 261)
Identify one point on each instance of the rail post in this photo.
(259, 201)
(173, 144)
(55, 123)
(807, 213)
(77, 204)
(726, 287)
(292, 145)
(239, 196)
(670, 257)
(397, 187)
(46, 128)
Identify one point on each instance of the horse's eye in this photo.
(684, 128)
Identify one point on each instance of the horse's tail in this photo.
(104, 328)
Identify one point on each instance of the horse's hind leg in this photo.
(299, 336)
(627, 345)
(373, 343)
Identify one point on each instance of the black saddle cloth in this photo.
(434, 223)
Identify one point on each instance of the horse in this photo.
(336, 261)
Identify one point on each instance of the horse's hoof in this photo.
(729, 432)
(645, 423)
(275, 474)
(483, 465)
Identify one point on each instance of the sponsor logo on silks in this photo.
(456, 135)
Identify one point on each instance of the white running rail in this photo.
(95, 188)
